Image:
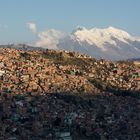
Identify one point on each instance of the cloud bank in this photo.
(49, 38)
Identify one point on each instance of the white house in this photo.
(136, 62)
(1, 72)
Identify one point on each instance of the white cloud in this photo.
(49, 38)
(32, 27)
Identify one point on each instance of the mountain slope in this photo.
(110, 43)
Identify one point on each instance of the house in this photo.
(1, 73)
(136, 63)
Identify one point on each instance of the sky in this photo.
(21, 21)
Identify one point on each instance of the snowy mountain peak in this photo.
(118, 32)
(110, 31)
(80, 28)
(111, 43)
(99, 37)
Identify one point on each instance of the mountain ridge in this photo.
(107, 43)
(102, 43)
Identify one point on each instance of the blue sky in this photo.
(65, 15)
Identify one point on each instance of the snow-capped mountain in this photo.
(109, 43)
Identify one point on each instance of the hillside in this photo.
(50, 95)
(62, 71)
